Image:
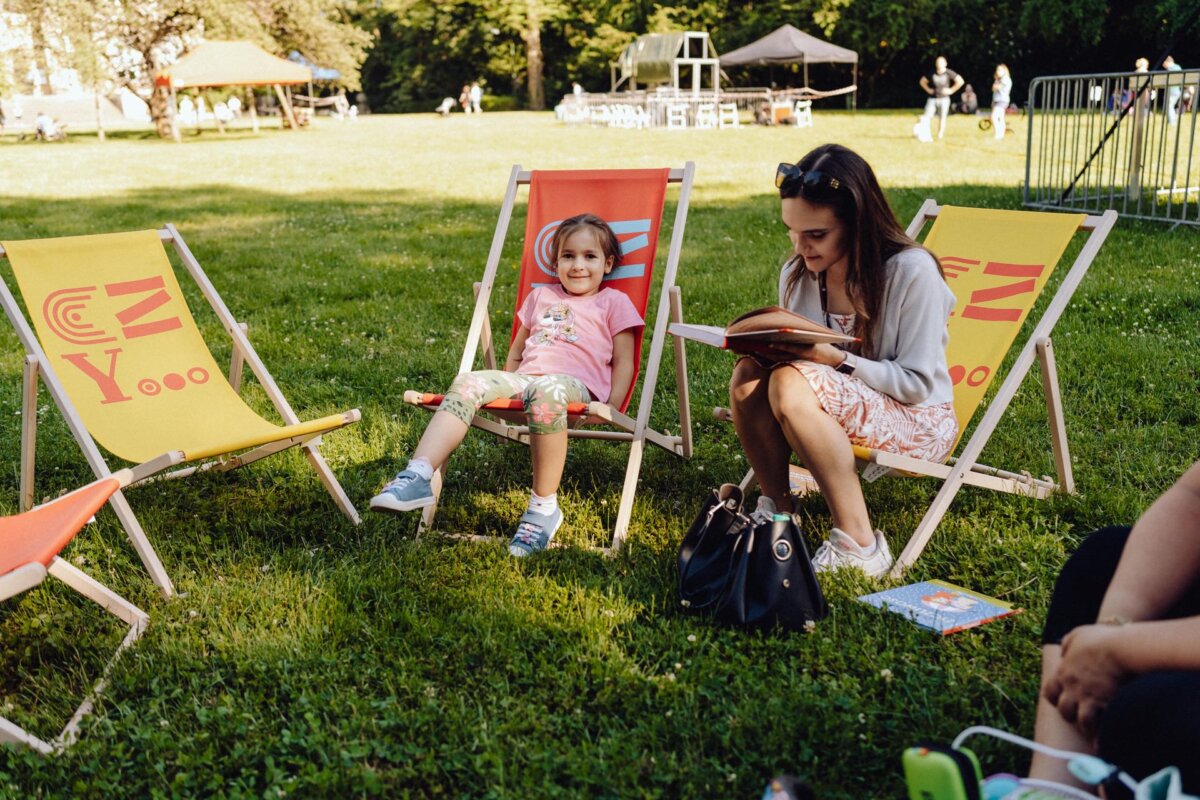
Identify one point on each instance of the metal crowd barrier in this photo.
(1121, 140)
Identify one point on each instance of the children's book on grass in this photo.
(941, 607)
(759, 329)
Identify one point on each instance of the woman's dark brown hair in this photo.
(870, 230)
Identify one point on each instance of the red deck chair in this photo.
(631, 201)
(29, 548)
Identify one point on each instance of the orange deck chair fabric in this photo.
(41, 533)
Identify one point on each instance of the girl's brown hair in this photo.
(604, 234)
(871, 232)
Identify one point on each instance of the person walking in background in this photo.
(1001, 91)
(476, 94)
(464, 98)
(940, 85)
(1174, 89)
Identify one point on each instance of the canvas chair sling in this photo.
(631, 201)
(997, 262)
(30, 544)
(120, 353)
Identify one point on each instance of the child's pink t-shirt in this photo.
(573, 335)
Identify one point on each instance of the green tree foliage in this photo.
(426, 49)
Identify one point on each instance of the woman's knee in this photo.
(791, 396)
(748, 383)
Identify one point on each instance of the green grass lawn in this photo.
(312, 658)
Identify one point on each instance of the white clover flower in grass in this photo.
(810, 625)
(691, 637)
(886, 674)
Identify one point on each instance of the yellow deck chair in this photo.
(120, 353)
(631, 201)
(997, 263)
(30, 544)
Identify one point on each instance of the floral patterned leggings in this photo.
(544, 397)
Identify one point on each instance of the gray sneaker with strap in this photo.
(534, 532)
(408, 491)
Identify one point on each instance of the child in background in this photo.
(574, 344)
(1001, 97)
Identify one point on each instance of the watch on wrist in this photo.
(848, 365)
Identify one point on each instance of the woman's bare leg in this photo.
(1052, 730)
(823, 446)
(762, 439)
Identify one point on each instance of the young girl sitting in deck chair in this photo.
(574, 344)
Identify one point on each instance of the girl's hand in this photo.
(1088, 676)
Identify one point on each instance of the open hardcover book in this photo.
(941, 607)
(759, 329)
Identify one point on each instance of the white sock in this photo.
(422, 467)
(869, 550)
(543, 505)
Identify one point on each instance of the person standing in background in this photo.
(1174, 90)
(1001, 91)
(476, 94)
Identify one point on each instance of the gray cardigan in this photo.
(911, 337)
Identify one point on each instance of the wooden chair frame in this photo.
(633, 429)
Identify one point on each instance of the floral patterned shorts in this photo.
(879, 421)
(544, 397)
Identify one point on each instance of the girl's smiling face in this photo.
(818, 236)
(581, 264)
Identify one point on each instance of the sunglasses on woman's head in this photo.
(813, 183)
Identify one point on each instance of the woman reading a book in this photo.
(854, 269)
(1121, 653)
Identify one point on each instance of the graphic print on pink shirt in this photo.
(573, 335)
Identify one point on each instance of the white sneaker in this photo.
(840, 551)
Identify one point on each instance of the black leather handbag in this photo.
(753, 575)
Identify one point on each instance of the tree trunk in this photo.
(99, 114)
(159, 113)
(533, 57)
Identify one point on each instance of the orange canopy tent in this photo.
(235, 64)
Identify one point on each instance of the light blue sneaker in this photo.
(407, 491)
(534, 532)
